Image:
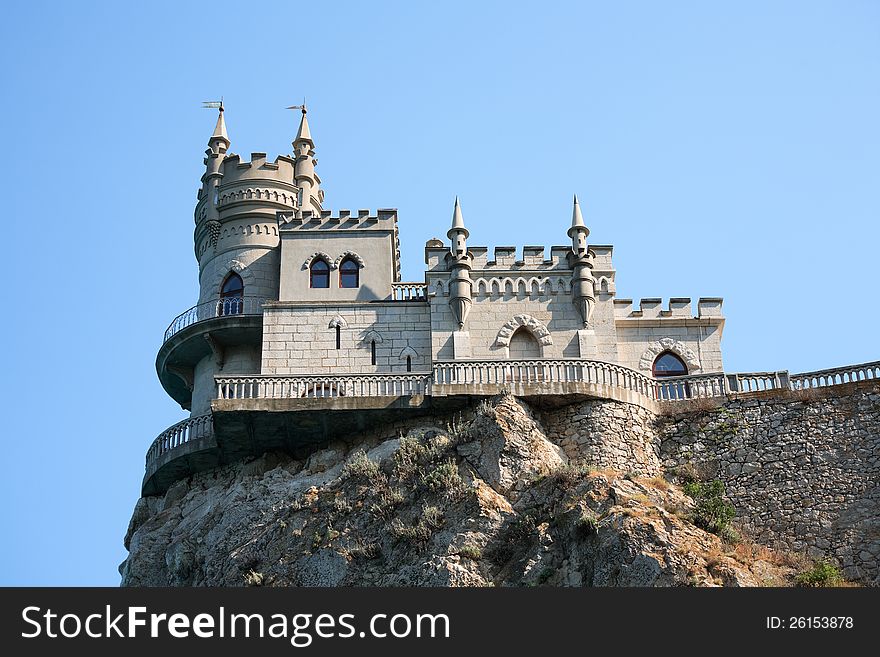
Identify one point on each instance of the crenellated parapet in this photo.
(675, 309)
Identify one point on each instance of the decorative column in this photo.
(460, 285)
(582, 283)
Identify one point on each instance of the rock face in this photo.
(489, 502)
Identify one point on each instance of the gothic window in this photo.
(523, 345)
(231, 295)
(373, 352)
(338, 337)
(349, 273)
(668, 364)
(319, 274)
(409, 363)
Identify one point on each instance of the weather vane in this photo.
(213, 104)
(302, 107)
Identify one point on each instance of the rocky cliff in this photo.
(490, 501)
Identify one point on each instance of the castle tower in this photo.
(582, 284)
(310, 194)
(236, 245)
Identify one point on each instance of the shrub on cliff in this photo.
(712, 513)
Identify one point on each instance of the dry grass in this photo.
(658, 483)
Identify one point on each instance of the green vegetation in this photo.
(823, 573)
(360, 467)
(712, 513)
(471, 552)
(445, 479)
(587, 524)
(432, 519)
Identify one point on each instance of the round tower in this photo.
(237, 246)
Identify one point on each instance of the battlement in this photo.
(510, 258)
(381, 219)
(677, 308)
(259, 168)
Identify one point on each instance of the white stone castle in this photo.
(302, 308)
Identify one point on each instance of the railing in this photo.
(476, 373)
(500, 372)
(230, 306)
(836, 376)
(318, 386)
(409, 291)
(699, 386)
(181, 433)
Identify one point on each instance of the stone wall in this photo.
(607, 434)
(802, 469)
(298, 339)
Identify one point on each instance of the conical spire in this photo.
(577, 219)
(219, 141)
(457, 222)
(220, 128)
(303, 133)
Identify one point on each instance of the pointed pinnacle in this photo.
(457, 221)
(220, 128)
(577, 219)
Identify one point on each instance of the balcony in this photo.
(409, 291)
(202, 330)
(186, 447)
(229, 307)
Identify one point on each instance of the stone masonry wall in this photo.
(802, 469)
(298, 339)
(607, 434)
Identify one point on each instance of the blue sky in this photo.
(725, 149)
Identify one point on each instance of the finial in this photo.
(577, 219)
(220, 128)
(303, 132)
(457, 221)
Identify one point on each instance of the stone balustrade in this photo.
(409, 291)
(193, 428)
(321, 386)
(835, 376)
(227, 307)
(483, 377)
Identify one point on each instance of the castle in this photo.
(304, 329)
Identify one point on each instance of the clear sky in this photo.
(724, 148)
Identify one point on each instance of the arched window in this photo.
(319, 274)
(338, 337)
(373, 352)
(409, 363)
(231, 295)
(349, 273)
(668, 364)
(523, 345)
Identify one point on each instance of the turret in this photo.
(582, 284)
(310, 194)
(460, 285)
(218, 144)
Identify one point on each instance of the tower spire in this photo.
(310, 195)
(219, 141)
(457, 222)
(577, 219)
